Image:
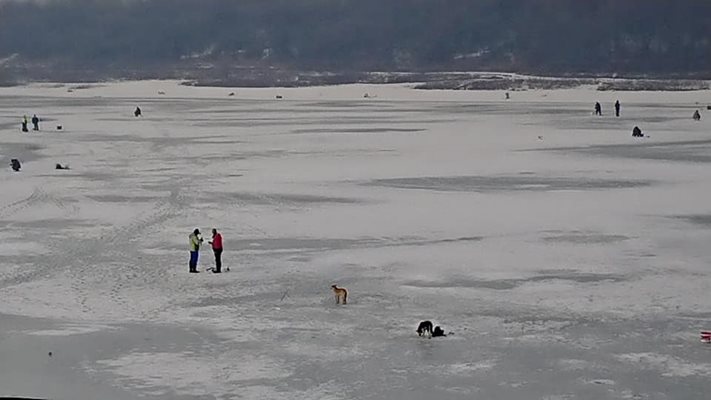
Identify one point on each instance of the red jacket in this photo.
(217, 242)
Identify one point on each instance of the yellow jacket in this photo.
(195, 241)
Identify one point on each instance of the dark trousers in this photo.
(193, 261)
(218, 260)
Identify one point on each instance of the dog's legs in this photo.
(345, 297)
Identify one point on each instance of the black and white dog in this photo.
(425, 329)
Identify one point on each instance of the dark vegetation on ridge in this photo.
(171, 38)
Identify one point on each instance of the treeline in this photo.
(536, 36)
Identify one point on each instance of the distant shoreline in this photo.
(273, 78)
(471, 81)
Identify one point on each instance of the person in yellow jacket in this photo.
(195, 241)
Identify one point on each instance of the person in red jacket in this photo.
(216, 243)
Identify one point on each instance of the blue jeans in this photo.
(193, 260)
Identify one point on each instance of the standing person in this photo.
(35, 123)
(24, 124)
(195, 241)
(617, 108)
(598, 109)
(216, 243)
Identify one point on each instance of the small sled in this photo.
(706, 336)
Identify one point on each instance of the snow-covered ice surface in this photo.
(568, 260)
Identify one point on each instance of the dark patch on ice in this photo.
(300, 258)
(249, 110)
(20, 398)
(414, 241)
(688, 150)
(159, 140)
(162, 141)
(90, 176)
(647, 255)
(288, 116)
(703, 220)
(499, 284)
(117, 198)
(220, 142)
(52, 103)
(299, 121)
(346, 104)
(53, 223)
(208, 159)
(699, 315)
(579, 277)
(506, 183)
(514, 109)
(301, 244)
(508, 284)
(459, 239)
(278, 199)
(358, 130)
(210, 301)
(585, 238)
(471, 108)
(327, 244)
(660, 119)
(24, 152)
(8, 125)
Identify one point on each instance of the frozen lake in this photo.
(567, 259)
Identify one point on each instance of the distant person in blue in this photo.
(195, 241)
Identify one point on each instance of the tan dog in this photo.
(341, 294)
